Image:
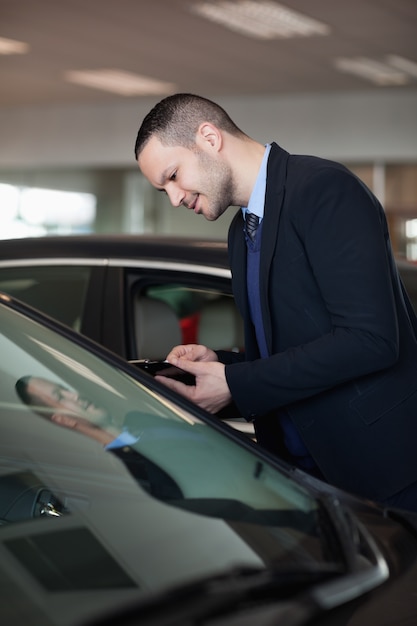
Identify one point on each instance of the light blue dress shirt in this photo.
(257, 199)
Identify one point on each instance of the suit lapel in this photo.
(275, 192)
(237, 259)
(275, 188)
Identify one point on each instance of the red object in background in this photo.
(189, 328)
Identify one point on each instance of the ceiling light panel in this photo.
(262, 20)
(378, 72)
(120, 82)
(10, 46)
(405, 65)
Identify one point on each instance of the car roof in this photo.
(199, 251)
(184, 249)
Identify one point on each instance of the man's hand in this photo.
(191, 352)
(211, 391)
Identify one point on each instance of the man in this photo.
(65, 407)
(329, 375)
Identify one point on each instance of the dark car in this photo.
(138, 296)
(122, 503)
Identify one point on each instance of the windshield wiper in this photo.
(231, 591)
(289, 595)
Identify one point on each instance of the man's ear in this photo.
(64, 420)
(208, 135)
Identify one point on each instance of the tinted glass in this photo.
(108, 488)
(58, 291)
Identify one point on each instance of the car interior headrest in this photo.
(157, 328)
(220, 325)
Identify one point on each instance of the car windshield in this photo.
(110, 490)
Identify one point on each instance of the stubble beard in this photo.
(220, 186)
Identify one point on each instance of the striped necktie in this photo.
(252, 223)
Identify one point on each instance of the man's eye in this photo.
(173, 176)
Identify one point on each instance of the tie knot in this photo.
(252, 223)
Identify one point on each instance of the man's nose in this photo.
(176, 196)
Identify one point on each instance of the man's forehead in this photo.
(156, 159)
(41, 385)
(37, 383)
(151, 148)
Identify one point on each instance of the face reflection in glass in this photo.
(66, 401)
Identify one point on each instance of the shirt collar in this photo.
(257, 199)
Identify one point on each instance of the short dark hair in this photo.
(30, 399)
(175, 120)
(21, 387)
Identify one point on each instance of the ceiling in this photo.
(163, 39)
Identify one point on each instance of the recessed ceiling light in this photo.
(10, 46)
(263, 20)
(376, 71)
(117, 81)
(405, 65)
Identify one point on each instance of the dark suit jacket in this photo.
(339, 328)
(150, 476)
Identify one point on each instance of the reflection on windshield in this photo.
(142, 474)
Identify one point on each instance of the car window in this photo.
(146, 481)
(207, 316)
(58, 291)
(165, 314)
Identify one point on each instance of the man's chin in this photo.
(212, 216)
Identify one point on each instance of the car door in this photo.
(148, 310)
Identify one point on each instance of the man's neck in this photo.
(245, 159)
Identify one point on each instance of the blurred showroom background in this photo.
(323, 77)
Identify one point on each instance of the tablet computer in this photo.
(163, 368)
